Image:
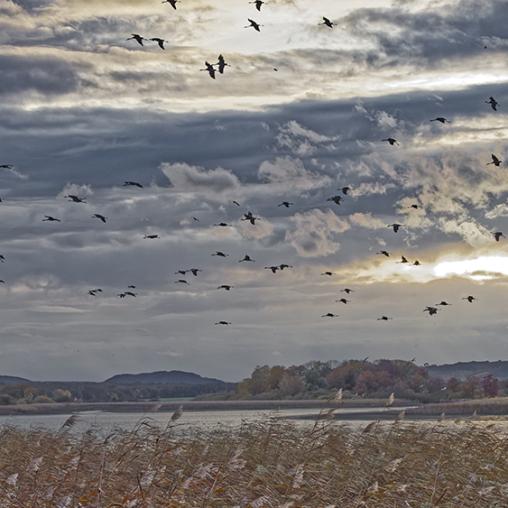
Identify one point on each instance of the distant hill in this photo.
(13, 380)
(462, 370)
(173, 377)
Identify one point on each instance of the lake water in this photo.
(104, 422)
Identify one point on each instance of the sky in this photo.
(83, 110)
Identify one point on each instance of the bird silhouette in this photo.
(246, 259)
(329, 315)
(236, 203)
(2, 258)
(329, 23)
(493, 103)
(222, 225)
(131, 287)
(258, 4)
(220, 254)
(75, 199)
(431, 310)
(329, 274)
(226, 287)
(49, 218)
(171, 2)
(249, 217)
(347, 291)
(6, 166)
(181, 272)
(392, 141)
(159, 41)
(2, 281)
(498, 235)
(470, 299)
(441, 119)
(151, 237)
(100, 217)
(495, 161)
(417, 263)
(346, 190)
(221, 64)
(284, 267)
(443, 304)
(132, 184)
(253, 24)
(286, 204)
(181, 281)
(195, 271)
(384, 253)
(210, 69)
(395, 227)
(345, 301)
(138, 38)
(130, 293)
(385, 318)
(223, 323)
(403, 260)
(335, 199)
(273, 269)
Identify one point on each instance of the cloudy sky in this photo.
(83, 110)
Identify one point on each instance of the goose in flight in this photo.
(328, 22)
(93, 292)
(336, 199)
(249, 217)
(470, 299)
(403, 260)
(49, 218)
(171, 2)
(498, 236)
(417, 263)
(220, 254)
(395, 227)
(2, 281)
(431, 310)
(181, 281)
(222, 225)
(159, 41)
(131, 287)
(223, 323)
(247, 259)
(493, 103)
(258, 4)
(441, 119)
(130, 293)
(100, 217)
(495, 161)
(138, 38)
(347, 291)
(329, 315)
(210, 69)
(385, 318)
(75, 199)
(221, 64)
(181, 272)
(253, 24)
(283, 267)
(195, 271)
(236, 203)
(151, 237)
(274, 269)
(132, 184)
(346, 190)
(2, 258)
(6, 166)
(392, 141)
(329, 274)
(383, 253)
(286, 204)
(226, 287)
(345, 301)
(443, 304)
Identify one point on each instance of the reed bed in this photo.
(270, 463)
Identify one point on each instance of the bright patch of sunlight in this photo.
(480, 268)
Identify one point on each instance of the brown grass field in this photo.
(267, 464)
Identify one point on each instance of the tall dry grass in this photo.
(266, 464)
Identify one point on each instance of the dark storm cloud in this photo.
(44, 75)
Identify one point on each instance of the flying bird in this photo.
(346, 190)
(223, 323)
(220, 254)
(336, 199)
(236, 203)
(171, 2)
(385, 318)
(6, 166)
(392, 141)
(274, 269)
(246, 259)
(493, 103)
(222, 225)
(253, 24)
(470, 299)
(221, 64)
(138, 38)
(395, 227)
(195, 271)
(159, 41)
(495, 161)
(441, 119)
(93, 292)
(443, 304)
(347, 291)
(100, 217)
(210, 69)
(403, 260)
(181, 272)
(384, 253)
(49, 218)
(181, 281)
(286, 204)
(344, 301)
(151, 237)
(498, 236)
(75, 199)
(249, 217)
(226, 287)
(258, 4)
(130, 293)
(329, 23)
(132, 184)
(329, 315)
(417, 263)
(2, 258)
(131, 287)
(283, 267)
(431, 310)
(329, 274)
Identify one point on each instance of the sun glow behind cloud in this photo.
(480, 268)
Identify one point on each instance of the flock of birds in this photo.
(248, 216)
